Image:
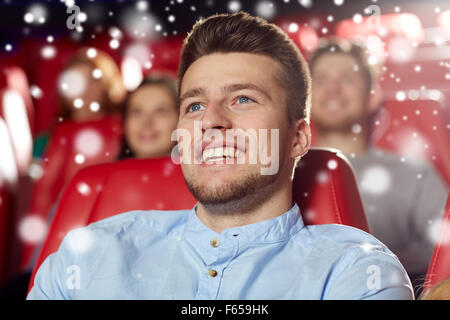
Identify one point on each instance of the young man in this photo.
(245, 238)
(403, 200)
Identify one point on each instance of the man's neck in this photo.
(347, 142)
(273, 205)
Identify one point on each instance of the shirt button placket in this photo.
(214, 242)
(212, 284)
(212, 273)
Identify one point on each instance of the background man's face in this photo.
(232, 91)
(339, 92)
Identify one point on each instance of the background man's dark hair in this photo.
(241, 32)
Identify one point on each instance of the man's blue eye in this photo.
(244, 100)
(195, 107)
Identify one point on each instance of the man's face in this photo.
(339, 92)
(228, 92)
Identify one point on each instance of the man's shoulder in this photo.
(357, 265)
(340, 239)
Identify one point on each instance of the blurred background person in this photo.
(90, 88)
(91, 95)
(400, 208)
(150, 116)
(88, 132)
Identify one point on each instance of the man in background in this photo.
(401, 208)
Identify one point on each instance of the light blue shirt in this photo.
(173, 255)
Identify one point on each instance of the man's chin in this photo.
(217, 192)
(233, 196)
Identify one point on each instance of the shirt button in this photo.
(214, 242)
(212, 273)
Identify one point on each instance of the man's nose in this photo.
(148, 119)
(215, 117)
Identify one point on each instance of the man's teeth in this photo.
(215, 154)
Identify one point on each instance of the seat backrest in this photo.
(18, 81)
(44, 71)
(439, 267)
(326, 190)
(324, 184)
(72, 146)
(8, 164)
(16, 108)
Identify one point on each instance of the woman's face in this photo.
(150, 119)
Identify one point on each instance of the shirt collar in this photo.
(276, 229)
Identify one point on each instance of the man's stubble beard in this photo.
(237, 197)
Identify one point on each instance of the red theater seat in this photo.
(16, 108)
(439, 268)
(17, 80)
(324, 187)
(8, 163)
(72, 146)
(43, 64)
(326, 190)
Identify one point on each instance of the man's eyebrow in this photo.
(195, 92)
(192, 93)
(242, 86)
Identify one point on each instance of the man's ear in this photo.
(375, 98)
(302, 138)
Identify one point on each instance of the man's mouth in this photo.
(333, 105)
(145, 136)
(220, 154)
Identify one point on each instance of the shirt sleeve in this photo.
(58, 275)
(369, 272)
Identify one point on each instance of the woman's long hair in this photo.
(115, 91)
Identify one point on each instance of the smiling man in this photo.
(240, 79)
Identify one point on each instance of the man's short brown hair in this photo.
(241, 32)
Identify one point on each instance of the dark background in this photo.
(13, 26)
